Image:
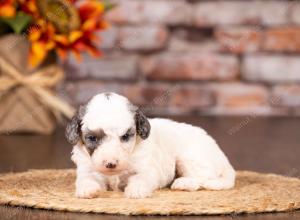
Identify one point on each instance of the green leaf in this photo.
(108, 5)
(18, 23)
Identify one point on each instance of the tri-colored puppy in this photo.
(116, 147)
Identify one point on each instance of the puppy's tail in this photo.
(225, 181)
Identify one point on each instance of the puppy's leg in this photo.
(224, 180)
(188, 179)
(140, 186)
(197, 177)
(88, 183)
(186, 183)
(202, 164)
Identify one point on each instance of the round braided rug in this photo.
(54, 189)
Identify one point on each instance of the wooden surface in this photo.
(251, 143)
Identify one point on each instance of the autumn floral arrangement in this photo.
(45, 27)
(55, 25)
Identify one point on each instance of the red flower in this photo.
(7, 8)
(46, 36)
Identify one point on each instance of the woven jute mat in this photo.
(54, 190)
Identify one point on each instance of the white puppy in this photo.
(118, 148)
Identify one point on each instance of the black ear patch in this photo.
(142, 124)
(73, 129)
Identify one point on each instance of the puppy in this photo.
(117, 148)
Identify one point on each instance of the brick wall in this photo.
(197, 57)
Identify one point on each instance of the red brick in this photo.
(192, 66)
(186, 98)
(158, 94)
(239, 40)
(240, 98)
(172, 12)
(192, 40)
(295, 12)
(191, 97)
(125, 12)
(237, 95)
(143, 38)
(274, 12)
(183, 45)
(107, 67)
(286, 95)
(153, 98)
(213, 13)
(175, 97)
(282, 39)
(108, 38)
(271, 68)
(81, 91)
(216, 13)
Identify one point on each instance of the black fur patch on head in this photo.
(143, 126)
(92, 139)
(107, 95)
(73, 129)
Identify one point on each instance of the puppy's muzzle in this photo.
(110, 164)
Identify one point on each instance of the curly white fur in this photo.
(176, 154)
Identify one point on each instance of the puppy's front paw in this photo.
(137, 191)
(87, 189)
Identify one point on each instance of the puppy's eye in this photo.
(91, 138)
(126, 137)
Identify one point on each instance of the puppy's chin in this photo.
(111, 172)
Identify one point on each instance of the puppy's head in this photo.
(108, 127)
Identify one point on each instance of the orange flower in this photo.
(29, 7)
(42, 41)
(46, 36)
(91, 16)
(7, 8)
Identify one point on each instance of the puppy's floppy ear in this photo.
(73, 129)
(142, 124)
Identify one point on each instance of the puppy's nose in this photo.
(111, 165)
